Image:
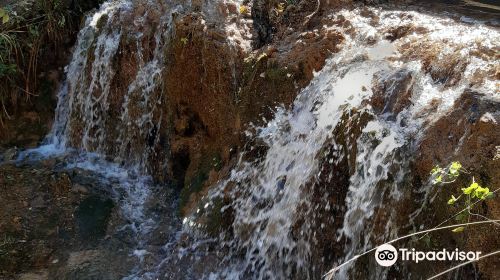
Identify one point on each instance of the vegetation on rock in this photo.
(30, 33)
(470, 196)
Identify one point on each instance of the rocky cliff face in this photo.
(393, 95)
(243, 83)
(234, 106)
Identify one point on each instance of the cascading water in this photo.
(84, 117)
(380, 80)
(87, 120)
(273, 208)
(112, 128)
(122, 119)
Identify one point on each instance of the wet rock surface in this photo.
(215, 87)
(52, 227)
(475, 118)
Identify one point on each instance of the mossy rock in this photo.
(216, 220)
(92, 217)
(102, 21)
(193, 186)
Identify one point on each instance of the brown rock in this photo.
(232, 8)
(392, 93)
(464, 135)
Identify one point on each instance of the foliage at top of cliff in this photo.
(28, 30)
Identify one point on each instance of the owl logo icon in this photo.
(386, 255)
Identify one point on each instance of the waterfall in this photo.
(125, 120)
(111, 128)
(115, 130)
(362, 116)
(87, 115)
(376, 77)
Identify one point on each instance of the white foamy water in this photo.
(87, 116)
(83, 116)
(271, 194)
(116, 146)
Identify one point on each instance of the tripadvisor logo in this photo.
(387, 255)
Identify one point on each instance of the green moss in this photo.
(196, 183)
(193, 186)
(217, 162)
(210, 161)
(276, 75)
(92, 217)
(216, 221)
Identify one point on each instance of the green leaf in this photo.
(244, 10)
(455, 168)
(458, 229)
(439, 179)
(471, 188)
(452, 200)
(62, 22)
(490, 195)
(280, 8)
(481, 192)
(436, 170)
(4, 15)
(261, 57)
(7, 69)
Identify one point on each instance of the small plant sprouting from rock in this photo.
(280, 8)
(244, 10)
(184, 41)
(469, 196)
(446, 175)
